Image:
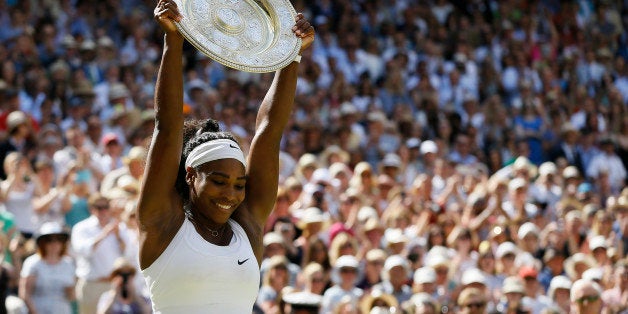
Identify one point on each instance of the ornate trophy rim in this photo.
(246, 35)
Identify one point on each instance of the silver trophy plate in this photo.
(246, 35)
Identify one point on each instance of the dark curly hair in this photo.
(195, 133)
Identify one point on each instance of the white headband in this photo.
(214, 150)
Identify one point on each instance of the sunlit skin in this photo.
(216, 194)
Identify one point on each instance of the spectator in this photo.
(472, 301)
(586, 297)
(122, 297)
(47, 280)
(346, 270)
(97, 242)
(395, 278)
(18, 192)
(559, 291)
(275, 278)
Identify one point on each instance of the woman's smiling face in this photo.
(217, 188)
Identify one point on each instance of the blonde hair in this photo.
(340, 240)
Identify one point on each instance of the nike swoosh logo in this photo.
(242, 262)
(233, 146)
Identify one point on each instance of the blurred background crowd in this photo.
(443, 156)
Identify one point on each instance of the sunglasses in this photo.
(588, 299)
(54, 237)
(475, 305)
(347, 270)
(318, 280)
(101, 207)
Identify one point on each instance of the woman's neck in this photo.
(52, 258)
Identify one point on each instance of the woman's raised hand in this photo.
(166, 13)
(304, 30)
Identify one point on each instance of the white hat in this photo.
(558, 282)
(347, 261)
(437, 260)
(526, 229)
(593, 274)
(424, 275)
(311, 215)
(391, 160)
(197, 84)
(505, 248)
(473, 275)
(347, 108)
(395, 236)
(394, 261)
(597, 242)
(413, 142)
(367, 212)
(547, 168)
(571, 172)
(513, 284)
(578, 258)
(15, 119)
(273, 238)
(377, 116)
(428, 147)
(517, 183)
(321, 175)
(118, 90)
(88, 44)
(303, 299)
(51, 228)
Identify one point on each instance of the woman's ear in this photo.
(190, 175)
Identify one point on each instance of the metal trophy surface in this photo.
(247, 35)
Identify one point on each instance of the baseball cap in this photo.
(428, 147)
(597, 242)
(391, 160)
(272, 238)
(506, 248)
(473, 275)
(424, 275)
(346, 261)
(527, 272)
(527, 229)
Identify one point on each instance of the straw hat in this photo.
(368, 300)
(578, 258)
(311, 215)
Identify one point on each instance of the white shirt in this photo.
(194, 276)
(94, 263)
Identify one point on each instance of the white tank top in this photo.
(194, 276)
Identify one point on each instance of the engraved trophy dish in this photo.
(246, 35)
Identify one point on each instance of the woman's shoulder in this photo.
(68, 260)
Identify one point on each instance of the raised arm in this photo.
(272, 118)
(158, 196)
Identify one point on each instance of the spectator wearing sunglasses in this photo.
(97, 242)
(586, 297)
(472, 301)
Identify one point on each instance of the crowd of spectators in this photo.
(443, 156)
